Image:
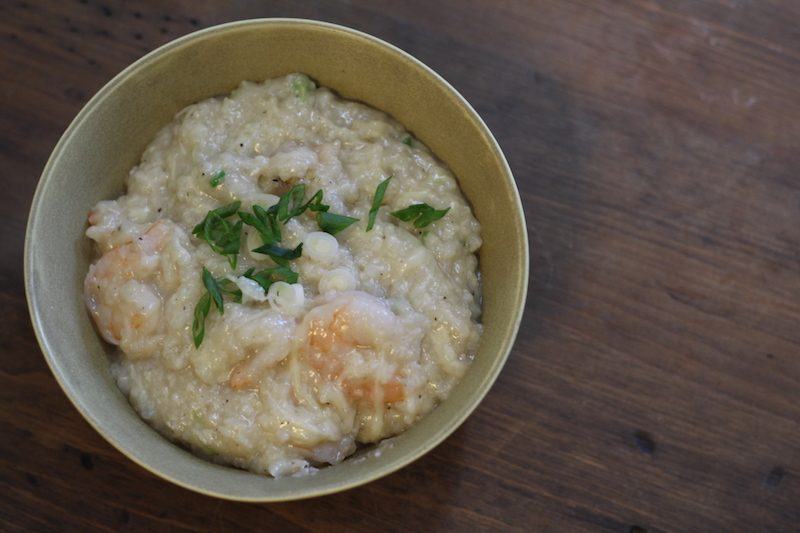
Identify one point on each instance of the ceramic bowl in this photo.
(92, 160)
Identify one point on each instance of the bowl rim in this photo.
(431, 442)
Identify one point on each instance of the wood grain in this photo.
(656, 380)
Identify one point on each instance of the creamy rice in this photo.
(378, 328)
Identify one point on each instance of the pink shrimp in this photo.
(119, 291)
(353, 321)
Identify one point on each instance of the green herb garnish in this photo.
(280, 255)
(315, 203)
(268, 276)
(408, 141)
(265, 222)
(380, 190)
(302, 86)
(217, 178)
(215, 288)
(290, 204)
(230, 288)
(421, 214)
(222, 236)
(223, 212)
(333, 223)
(200, 313)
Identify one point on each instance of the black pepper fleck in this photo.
(106, 11)
(137, 36)
(137, 14)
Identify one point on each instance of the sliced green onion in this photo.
(302, 86)
(222, 236)
(217, 178)
(421, 214)
(377, 200)
(268, 276)
(199, 324)
(333, 223)
(213, 289)
(280, 255)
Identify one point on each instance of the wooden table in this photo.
(655, 383)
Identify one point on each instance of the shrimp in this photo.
(268, 338)
(120, 292)
(241, 345)
(348, 339)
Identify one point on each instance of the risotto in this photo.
(288, 275)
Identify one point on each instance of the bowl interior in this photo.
(93, 158)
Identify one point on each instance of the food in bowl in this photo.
(289, 274)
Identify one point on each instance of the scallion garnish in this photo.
(222, 212)
(268, 276)
(222, 236)
(333, 223)
(380, 191)
(265, 222)
(290, 204)
(217, 178)
(215, 288)
(280, 255)
(315, 203)
(302, 86)
(421, 214)
(230, 288)
(200, 313)
(408, 141)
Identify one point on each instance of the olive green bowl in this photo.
(106, 139)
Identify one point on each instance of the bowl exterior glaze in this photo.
(92, 160)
